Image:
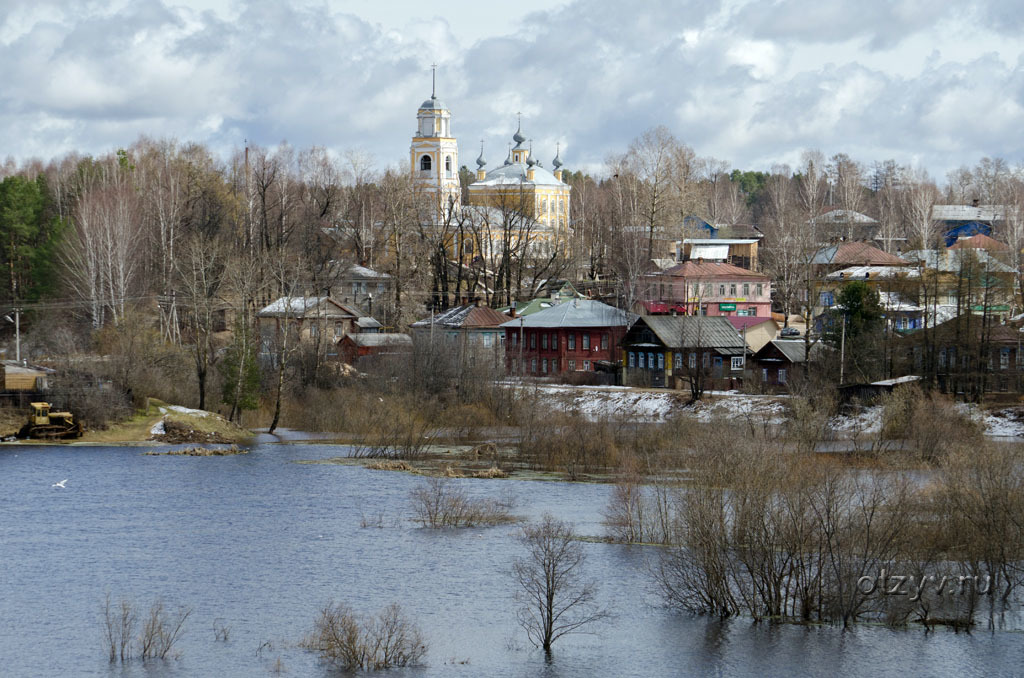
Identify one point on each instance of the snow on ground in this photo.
(1005, 423)
(597, 402)
(187, 410)
(158, 428)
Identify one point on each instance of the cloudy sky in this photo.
(749, 81)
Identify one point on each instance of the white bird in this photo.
(380, 399)
(60, 484)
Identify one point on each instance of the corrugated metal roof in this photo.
(692, 331)
(710, 270)
(575, 313)
(844, 217)
(968, 212)
(300, 307)
(856, 254)
(465, 316)
(795, 350)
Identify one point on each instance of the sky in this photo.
(751, 82)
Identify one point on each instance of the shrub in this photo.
(439, 502)
(350, 643)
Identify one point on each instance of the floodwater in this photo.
(256, 543)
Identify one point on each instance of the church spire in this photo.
(433, 81)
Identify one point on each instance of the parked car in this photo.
(789, 332)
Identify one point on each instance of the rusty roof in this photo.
(708, 270)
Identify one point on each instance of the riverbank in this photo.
(159, 423)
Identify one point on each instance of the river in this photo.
(257, 543)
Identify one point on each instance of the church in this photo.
(520, 185)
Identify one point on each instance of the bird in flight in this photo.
(60, 484)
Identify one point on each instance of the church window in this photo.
(448, 164)
(425, 163)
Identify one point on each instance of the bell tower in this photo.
(434, 153)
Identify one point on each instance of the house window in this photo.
(661, 361)
(942, 357)
(693, 361)
(632, 359)
(572, 342)
(679, 361)
(533, 341)
(338, 329)
(732, 289)
(554, 341)
(721, 290)
(707, 289)
(544, 365)
(488, 340)
(1004, 359)
(515, 339)
(782, 375)
(650, 360)
(586, 365)
(604, 342)
(707, 359)
(641, 364)
(759, 288)
(737, 362)
(764, 374)
(533, 365)
(752, 311)
(425, 163)
(586, 341)
(746, 289)
(543, 341)
(355, 288)
(572, 365)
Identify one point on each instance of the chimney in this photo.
(512, 311)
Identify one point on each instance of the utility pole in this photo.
(842, 350)
(522, 367)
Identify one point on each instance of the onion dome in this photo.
(557, 162)
(480, 162)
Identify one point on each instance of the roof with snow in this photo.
(871, 272)
(468, 317)
(968, 212)
(515, 174)
(575, 313)
(357, 271)
(300, 307)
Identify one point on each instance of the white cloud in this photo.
(751, 82)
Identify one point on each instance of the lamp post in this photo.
(17, 332)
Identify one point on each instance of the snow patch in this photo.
(187, 410)
(158, 429)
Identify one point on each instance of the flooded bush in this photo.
(348, 642)
(773, 535)
(160, 632)
(930, 424)
(439, 502)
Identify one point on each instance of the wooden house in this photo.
(777, 362)
(667, 351)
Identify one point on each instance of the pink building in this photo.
(697, 287)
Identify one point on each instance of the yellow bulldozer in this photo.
(42, 423)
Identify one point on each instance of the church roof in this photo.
(515, 173)
(433, 104)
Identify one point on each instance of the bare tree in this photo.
(555, 598)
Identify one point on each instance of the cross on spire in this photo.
(433, 81)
